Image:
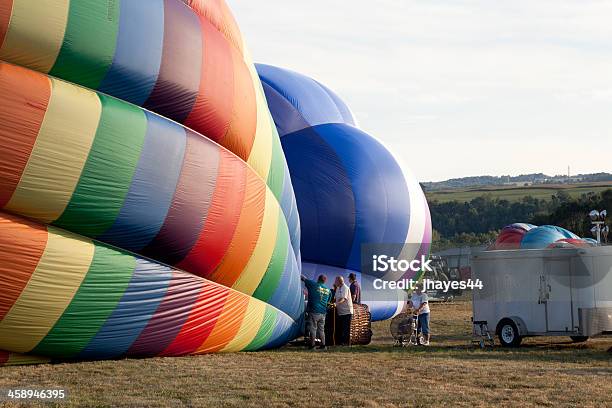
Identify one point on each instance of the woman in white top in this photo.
(420, 304)
(344, 308)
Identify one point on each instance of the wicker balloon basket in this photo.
(361, 326)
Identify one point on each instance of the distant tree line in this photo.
(478, 221)
(480, 181)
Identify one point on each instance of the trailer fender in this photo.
(520, 325)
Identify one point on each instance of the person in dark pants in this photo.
(420, 304)
(344, 308)
(318, 297)
(355, 289)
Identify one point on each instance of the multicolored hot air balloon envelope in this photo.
(528, 236)
(511, 235)
(106, 169)
(350, 189)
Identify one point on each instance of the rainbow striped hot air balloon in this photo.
(211, 214)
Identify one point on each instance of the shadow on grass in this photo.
(560, 352)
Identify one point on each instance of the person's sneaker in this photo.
(322, 348)
(425, 343)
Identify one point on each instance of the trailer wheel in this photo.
(579, 339)
(508, 334)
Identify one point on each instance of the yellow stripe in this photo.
(260, 157)
(251, 323)
(59, 154)
(57, 277)
(36, 33)
(256, 267)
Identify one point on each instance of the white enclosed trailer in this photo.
(543, 292)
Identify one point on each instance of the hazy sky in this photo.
(457, 88)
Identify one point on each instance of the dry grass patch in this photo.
(542, 373)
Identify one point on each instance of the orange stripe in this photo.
(231, 26)
(247, 232)
(219, 14)
(243, 125)
(22, 244)
(201, 321)
(228, 324)
(24, 96)
(6, 9)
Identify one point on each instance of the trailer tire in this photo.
(579, 339)
(508, 333)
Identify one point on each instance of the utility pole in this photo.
(598, 219)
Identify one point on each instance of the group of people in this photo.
(343, 297)
(320, 298)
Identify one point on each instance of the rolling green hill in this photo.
(513, 193)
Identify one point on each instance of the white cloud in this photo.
(473, 87)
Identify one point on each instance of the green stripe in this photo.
(265, 331)
(276, 267)
(89, 43)
(276, 175)
(109, 169)
(107, 279)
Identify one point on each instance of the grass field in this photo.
(516, 193)
(448, 373)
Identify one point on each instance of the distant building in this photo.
(459, 257)
(519, 183)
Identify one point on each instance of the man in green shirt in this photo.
(318, 297)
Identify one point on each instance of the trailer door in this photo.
(559, 305)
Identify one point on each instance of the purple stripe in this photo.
(178, 83)
(169, 317)
(190, 204)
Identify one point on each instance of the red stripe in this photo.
(6, 9)
(223, 217)
(4, 357)
(200, 322)
(22, 244)
(212, 111)
(24, 96)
